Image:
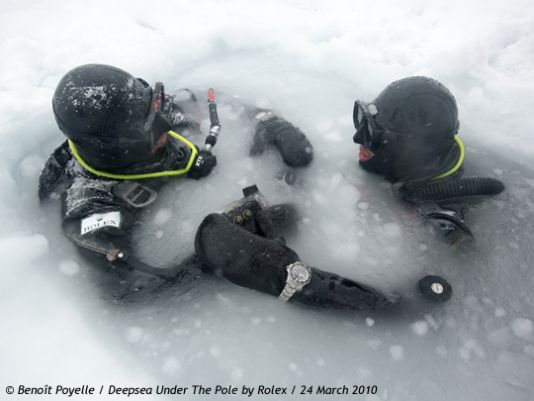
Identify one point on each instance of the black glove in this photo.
(293, 145)
(202, 165)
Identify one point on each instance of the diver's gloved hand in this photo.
(203, 164)
(241, 257)
(293, 145)
(259, 263)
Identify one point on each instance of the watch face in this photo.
(300, 273)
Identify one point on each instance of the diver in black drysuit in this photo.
(408, 135)
(122, 149)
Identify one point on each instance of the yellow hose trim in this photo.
(458, 163)
(142, 176)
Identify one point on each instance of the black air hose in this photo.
(458, 188)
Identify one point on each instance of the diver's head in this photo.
(111, 117)
(408, 131)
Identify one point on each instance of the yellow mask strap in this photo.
(458, 163)
(142, 176)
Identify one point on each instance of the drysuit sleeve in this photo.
(273, 131)
(91, 214)
(259, 263)
(94, 219)
(99, 222)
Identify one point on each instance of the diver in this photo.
(409, 135)
(122, 147)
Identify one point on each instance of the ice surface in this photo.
(420, 327)
(397, 352)
(69, 267)
(522, 327)
(134, 334)
(309, 61)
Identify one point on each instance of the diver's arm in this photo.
(107, 235)
(98, 216)
(270, 130)
(259, 263)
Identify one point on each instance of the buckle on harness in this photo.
(135, 194)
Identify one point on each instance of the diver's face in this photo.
(366, 133)
(362, 115)
(373, 154)
(377, 162)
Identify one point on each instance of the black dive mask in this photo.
(373, 136)
(156, 125)
(367, 130)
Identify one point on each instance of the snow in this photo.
(420, 327)
(397, 352)
(500, 312)
(441, 350)
(23, 250)
(309, 61)
(162, 216)
(522, 327)
(171, 366)
(134, 334)
(69, 267)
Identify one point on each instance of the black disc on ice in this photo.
(435, 288)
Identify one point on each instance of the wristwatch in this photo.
(298, 275)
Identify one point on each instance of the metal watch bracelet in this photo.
(298, 275)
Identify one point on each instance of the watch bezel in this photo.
(295, 265)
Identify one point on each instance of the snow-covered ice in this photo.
(420, 327)
(397, 352)
(522, 327)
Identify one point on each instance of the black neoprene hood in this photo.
(415, 124)
(102, 109)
